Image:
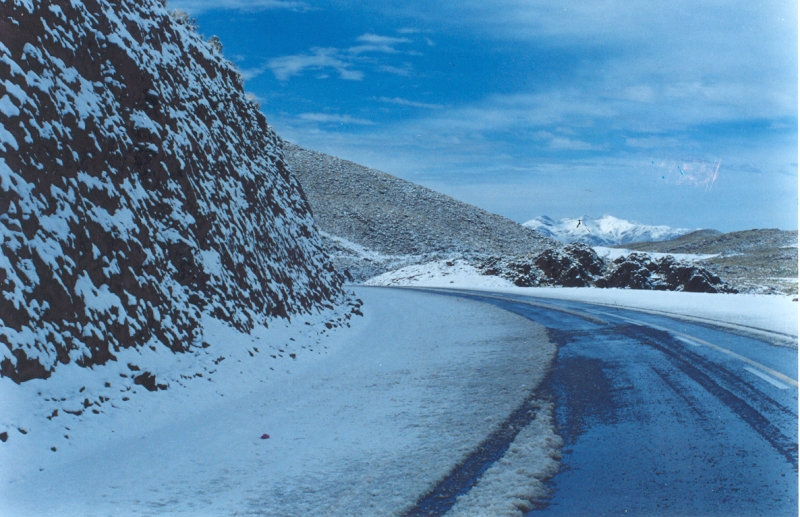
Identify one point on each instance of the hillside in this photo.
(141, 189)
(602, 231)
(396, 218)
(752, 260)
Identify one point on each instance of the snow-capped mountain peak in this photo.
(602, 231)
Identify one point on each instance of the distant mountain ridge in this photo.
(602, 231)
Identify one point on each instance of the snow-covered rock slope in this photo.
(602, 231)
(139, 189)
(391, 216)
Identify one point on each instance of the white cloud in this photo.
(567, 144)
(285, 67)
(250, 73)
(560, 143)
(343, 61)
(406, 102)
(327, 118)
(719, 58)
(376, 43)
(412, 30)
(652, 142)
(381, 40)
(196, 7)
(405, 71)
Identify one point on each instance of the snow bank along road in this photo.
(661, 416)
(454, 403)
(423, 391)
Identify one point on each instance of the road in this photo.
(426, 402)
(664, 417)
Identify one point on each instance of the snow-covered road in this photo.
(661, 416)
(365, 427)
(430, 402)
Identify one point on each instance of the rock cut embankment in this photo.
(139, 189)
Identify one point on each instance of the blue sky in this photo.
(680, 113)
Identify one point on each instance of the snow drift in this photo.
(139, 188)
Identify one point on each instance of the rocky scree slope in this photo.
(753, 261)
(139, 189)
(394, 217)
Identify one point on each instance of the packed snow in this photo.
(613, 253)
(773, 313)
(297, 419)
(439, 273)
(602, 231)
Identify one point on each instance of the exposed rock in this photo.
(139, 188)
(577, 265)
(753, 261)
(148, 381)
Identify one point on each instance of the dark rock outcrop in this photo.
(577, 265)
(639, 271)
(753, 261)
(139, 188)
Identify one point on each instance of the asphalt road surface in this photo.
(664, 417)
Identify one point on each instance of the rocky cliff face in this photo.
(139, 188)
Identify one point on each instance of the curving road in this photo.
(660, 416)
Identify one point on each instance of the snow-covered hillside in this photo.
(139, 189)
(602, 231)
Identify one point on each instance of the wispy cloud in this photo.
(635, 100)
(286, 67)
(561, 143)
(196, 7)
(343, 60)
(327, 118)
(404, 71)
(250, 73)
(376, 43)
(405, 102)
(652, 142)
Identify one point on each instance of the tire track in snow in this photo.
(701, 370)
(464, 476)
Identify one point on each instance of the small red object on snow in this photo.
(264, 436)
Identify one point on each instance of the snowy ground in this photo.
(613, 253)
(361, 420)
(440, 273)
(775, 313)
